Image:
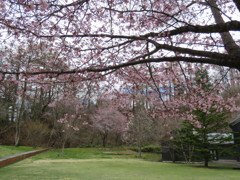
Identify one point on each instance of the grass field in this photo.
(91, 164)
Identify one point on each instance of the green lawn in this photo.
(104, 169)
(11, 150)
(91, 164)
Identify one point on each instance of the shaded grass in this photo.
(95, 153)
(11, 150)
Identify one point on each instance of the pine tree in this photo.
(198, 142)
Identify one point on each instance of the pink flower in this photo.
(43, 5)
(53, 104)
(85, 123)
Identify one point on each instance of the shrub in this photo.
(35, 134)
(149, 148)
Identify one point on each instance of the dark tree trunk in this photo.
(118, 139)
(104, 139)
(206, 160)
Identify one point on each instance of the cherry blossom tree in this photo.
(98, 38)
(122, 42)
(27, 100)
(68, 128)
(175, 92)
(67, 113)
(171, 94)
(108, 119)
(102, 36)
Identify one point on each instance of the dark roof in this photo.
(235, 121)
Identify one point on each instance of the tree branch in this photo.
(237, 3)
(221, 62)
(215, 28)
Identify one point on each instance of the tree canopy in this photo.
(101, 36)
(137, 53)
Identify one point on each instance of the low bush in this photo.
(149, 148)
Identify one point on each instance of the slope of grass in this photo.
(11, 150)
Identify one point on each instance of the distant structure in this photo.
(235, 126)
(169, 154)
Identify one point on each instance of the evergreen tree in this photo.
(198, 142)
